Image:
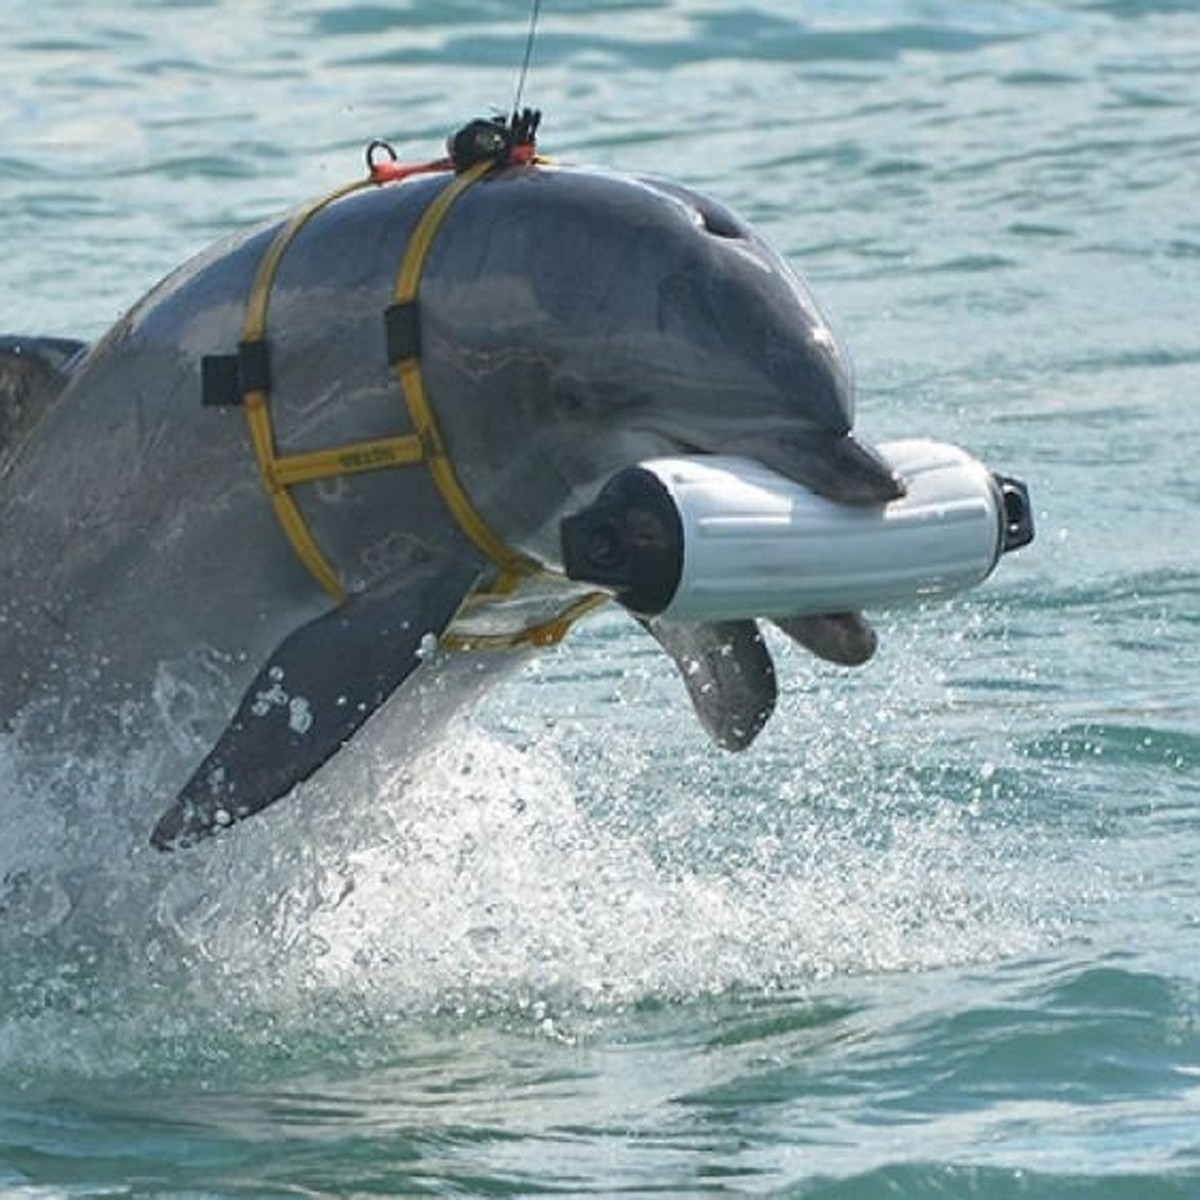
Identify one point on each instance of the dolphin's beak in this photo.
(837, 466)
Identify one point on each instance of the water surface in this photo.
(938, 933)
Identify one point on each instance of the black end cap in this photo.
(629, 540)
(1018, 513)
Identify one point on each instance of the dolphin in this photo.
(573, 322)
(32, 372)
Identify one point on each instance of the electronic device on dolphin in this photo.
(431, 420)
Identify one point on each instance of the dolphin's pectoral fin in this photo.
(319, 686)
(728, 672)
(837, 466)
(842, 638)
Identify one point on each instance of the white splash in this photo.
(300, 715)
(488, 876)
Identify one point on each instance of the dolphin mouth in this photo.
(835, 465)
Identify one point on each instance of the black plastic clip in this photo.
(220, 381)
(403, 330)
(226, 378)
(254, 366)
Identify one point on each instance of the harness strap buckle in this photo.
(403, 329)
(254, 365)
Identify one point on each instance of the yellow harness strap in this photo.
(279, 473)
(282, 472)
(548, 633)
(412, 385)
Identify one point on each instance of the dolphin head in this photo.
(598, 320)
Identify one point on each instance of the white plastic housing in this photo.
(755, 543)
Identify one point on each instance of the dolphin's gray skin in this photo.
(32, 373)
(572, 323)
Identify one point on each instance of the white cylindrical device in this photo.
(710, 537)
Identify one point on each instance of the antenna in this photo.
(535, 11)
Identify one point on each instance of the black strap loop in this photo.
(403, 331)
(220, 381)
(254, 366)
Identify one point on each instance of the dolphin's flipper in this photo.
(837, 466)
(728, 672)
(842, 638)
(319, 686)
(32, 372)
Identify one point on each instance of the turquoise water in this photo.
(938, 934)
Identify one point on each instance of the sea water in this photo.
(938, 932)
